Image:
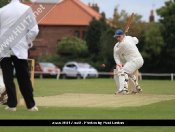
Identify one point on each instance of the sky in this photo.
(140, 7)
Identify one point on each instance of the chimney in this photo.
(89, 4)
(115, 12)
(151, 18)
(95, 7)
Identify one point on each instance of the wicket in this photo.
(132, 87)
(32, 61)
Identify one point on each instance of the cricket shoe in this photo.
(33, 109)
(138, 89)
(133, 92)
(125, 92)
(10, 108)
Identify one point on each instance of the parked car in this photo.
(78, 70)
(43, 69)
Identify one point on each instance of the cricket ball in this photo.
(103, 65)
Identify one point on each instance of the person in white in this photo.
(116, 74)
(126, 47)
(18, 28)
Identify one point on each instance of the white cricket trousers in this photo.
(131, 66)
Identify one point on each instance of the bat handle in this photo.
(127, 31)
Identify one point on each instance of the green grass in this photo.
(87, 129)
(49, 87)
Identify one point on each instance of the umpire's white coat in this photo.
(18, 28)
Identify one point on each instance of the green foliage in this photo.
(3, 3)
(56, 59)
(152, 48)
(153, 41)
(93, 34)
(100, 42)
(73, 46)
(167, 19)
(137, 26)
(43, 57)
(156, 41)
(106, 49)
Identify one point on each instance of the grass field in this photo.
(159, 93)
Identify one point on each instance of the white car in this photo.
(78, 70)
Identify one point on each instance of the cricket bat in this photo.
(129, 23)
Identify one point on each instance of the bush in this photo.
(72, 46)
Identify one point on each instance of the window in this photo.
(84, 33)
(77, 34)
(59, 40)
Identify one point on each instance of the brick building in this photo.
(68, 17)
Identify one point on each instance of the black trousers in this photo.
(23, 78)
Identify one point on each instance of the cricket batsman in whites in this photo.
(126, 48)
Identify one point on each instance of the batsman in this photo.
(128, 60)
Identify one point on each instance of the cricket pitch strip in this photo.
(99, 100)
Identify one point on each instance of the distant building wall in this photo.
(49, 37)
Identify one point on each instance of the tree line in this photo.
(156, 41)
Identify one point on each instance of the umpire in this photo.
(18, 28)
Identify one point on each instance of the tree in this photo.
(154, 41)
(93, 34)
(152, 48)
(106, 49)
(72, 46)
(100, 42)
(3, 3)
(121, 20)
(167, 20)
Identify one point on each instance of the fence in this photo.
(171, 75)
(141, 75)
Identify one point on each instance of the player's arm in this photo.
(33, 29)
(116, 56)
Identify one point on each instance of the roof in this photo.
(66, 12)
